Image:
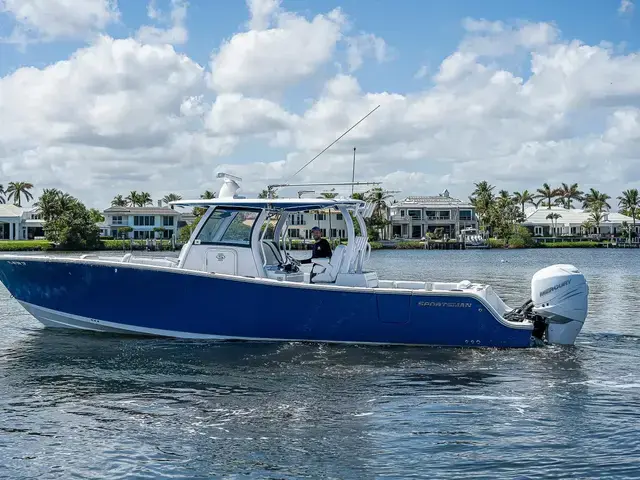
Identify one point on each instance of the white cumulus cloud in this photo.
(134, 114)
(49, 20)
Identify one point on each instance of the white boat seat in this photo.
(409, 285)
(272, 254)
(331, 266)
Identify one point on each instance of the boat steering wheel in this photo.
(293, 262)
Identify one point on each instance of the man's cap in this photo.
(315, 228)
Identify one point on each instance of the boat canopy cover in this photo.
(289, 204)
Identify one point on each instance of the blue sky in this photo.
(561, 117)
(420, 32)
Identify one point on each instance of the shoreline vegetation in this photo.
(166, 246)
(69, 226)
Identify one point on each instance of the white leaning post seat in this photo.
(331, 267)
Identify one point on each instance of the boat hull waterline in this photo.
(164, 301)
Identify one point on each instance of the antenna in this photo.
(335, 141)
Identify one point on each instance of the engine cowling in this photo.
(560, 295)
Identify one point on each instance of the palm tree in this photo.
(52, 203)
(522, 198)
(2, 200)
(596, 218)
(547, 193)
(596, 201)
(119, 201)
(379, 198)
(171, 197)
(587, 225)
(329, 195)
(268, 194)
(132, 199)
(482, 200)
(358, 196)
(145, 199)
(554, 221)
(483, 189)
(16, 190)
(208, 195)
(629, 201)
(568, 193)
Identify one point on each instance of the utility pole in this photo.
(353, 171)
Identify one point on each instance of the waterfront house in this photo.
(144, 222)
(331, 224)
(414, 217)
(17, 223)
(558, 221)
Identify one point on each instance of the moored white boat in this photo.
(235, 280)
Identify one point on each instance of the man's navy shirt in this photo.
(321, 249)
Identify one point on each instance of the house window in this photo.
(538, 231)
(297, 219)
(143, 234)
(402, 213)
(415, 214)
(339, 216)
(466, 216)
(320, 216)
(116, 220)
(167, 221)
(144, 220)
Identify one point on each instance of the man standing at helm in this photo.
(321, 249)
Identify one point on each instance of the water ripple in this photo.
(81, 405)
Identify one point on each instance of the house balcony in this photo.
(405, 218)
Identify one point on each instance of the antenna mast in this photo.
(334, 142)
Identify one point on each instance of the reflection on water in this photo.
(106, 406)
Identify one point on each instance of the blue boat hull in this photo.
(165, 301)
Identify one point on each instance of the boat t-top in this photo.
(235, 279)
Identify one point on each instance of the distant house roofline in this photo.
(150, 210)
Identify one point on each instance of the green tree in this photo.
(268, 194)
(596, 219)
(200, 211)
(69, 223)
(554, 221)
(596, 201)
(547, 193)
(96, 216)
(520, 238)
(522, 198)
(133, 199)
(2, 199)
(483, 201)
(16, 190)
(629, 201)
(145, 199)
(568, 193)
(119, 201)
(329, 195)
(53, 202)
(171, 197)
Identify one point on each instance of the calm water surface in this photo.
(97, 406)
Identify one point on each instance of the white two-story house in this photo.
(414, 217)
(145, 222)
(331, 224)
